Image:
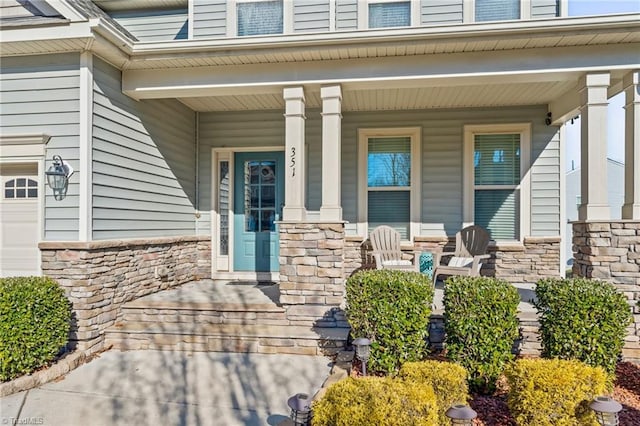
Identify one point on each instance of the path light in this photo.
(58, 176)
(363, 350)
(300, 409)
(606, 410)
(461, 414)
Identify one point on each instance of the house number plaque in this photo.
(292, 164)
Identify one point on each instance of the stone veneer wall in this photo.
(610, 251)
(312, 258)
(99, 277)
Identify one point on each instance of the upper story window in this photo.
(260, 17)
(20, 188)
(390, 14)
(497, 10)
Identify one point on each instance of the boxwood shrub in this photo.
(582, 319)
(375, 401)
(391, 308)
(481, 327)
(554, 392)
(448, 380)
(34, 324)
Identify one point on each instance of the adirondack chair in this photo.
(471, 250)
(385, 242)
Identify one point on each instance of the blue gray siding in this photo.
(154, 25)
(210, 18)
(346, 14)
(143, 163)
(40, 94)
(545, 8)
(310, 15)
(441, 12)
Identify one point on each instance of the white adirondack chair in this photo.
(385, 242)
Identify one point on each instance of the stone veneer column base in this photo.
(99, 277)
(610, 251)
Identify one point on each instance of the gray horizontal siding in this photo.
(143, 163)
(310, 15)
(545, 8)
(346, 14)
(441, 12)
(155, 25)
(40, 94)
(210, 18)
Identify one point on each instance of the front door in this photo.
(258, 201)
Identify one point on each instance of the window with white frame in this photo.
(496, 182)
(259, 17)
(497, 10)
(20, 189)
(389, 14)
(389, 176)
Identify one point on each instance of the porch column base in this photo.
(594, 212)
(331, 214)
(297, 214)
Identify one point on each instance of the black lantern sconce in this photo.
(363, 351)
(300, 409)
(58, 176)
(606, 410)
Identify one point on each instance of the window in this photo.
(223, 207)
(496, 10)
(20, 188)
(260, 17)
(390, 14)
(496, 181)
(389, 175)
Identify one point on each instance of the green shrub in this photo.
(554, 392)
(448, 380)
(34, 324)
(374, 401)
(481, 326)
(391, 308)
(582, 319)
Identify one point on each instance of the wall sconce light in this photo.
(300, 409)
(363, 351)
(547, 120)
(58, 177)
(606, 410)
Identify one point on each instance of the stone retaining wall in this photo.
(99, 277)
(610, 251)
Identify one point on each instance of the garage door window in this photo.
(20, 188)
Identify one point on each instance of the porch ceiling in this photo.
(485, 95)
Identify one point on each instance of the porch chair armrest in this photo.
(475, 268)
(437, 257)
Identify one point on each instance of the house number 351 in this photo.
(292, 164)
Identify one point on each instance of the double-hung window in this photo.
(388, 13)
(496, 179)
(389, 180)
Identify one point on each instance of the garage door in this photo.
(19, 232)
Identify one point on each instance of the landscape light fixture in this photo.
(363, 351)
(606, 410)
(58, 176)
(461, 414)
(300, 409)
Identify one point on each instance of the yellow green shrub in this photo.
(554, 392)
(375, 401)
(448, 380)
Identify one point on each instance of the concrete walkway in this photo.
(170, 388)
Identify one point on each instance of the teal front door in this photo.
(258, 200)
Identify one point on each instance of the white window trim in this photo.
(415, 133)
(468, 190)
(469, 10)
(363, 12)
(232, 16)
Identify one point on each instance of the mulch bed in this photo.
(493, 411)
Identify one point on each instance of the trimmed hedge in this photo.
(391, 308)
(553, 392)
(582, 319)
(448, 380)
(374, 401)
(35, 318)
(481, 327)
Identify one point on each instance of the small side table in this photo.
(426, 263)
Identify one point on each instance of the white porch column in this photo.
(631, 207)
(593, 173)
(294, 154)
(331, 209)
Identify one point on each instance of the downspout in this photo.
(197, 171)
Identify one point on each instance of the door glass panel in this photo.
(260, 196)
(223, 208)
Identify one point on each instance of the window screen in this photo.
(497, 10)
(257, 18)
(395, 14)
